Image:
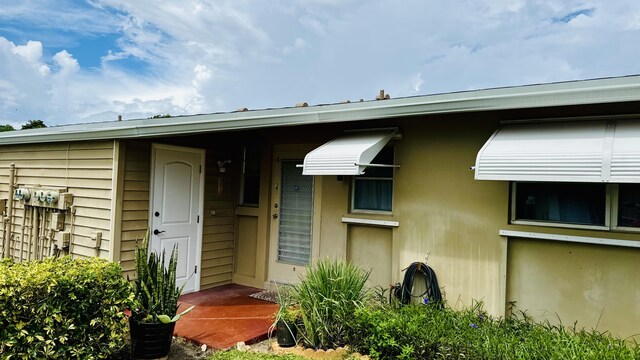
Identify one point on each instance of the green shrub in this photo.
(327, 297)
(429, 332)
(62, 308)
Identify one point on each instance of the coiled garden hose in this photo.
(432, 293)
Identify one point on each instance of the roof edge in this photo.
(596, 91)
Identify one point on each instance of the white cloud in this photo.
(66, 62)
(417, 83)
(21, 82)
(216, 55)
(201, 75)
(111, 56)
(32, 51)
(44, 69)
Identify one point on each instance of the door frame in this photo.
(291, 152)
(199, 240)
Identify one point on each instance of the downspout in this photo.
(6, 235)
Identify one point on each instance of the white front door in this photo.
(176, 208)
(292, 245)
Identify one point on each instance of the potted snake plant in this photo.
(155, 312)
(286, 318)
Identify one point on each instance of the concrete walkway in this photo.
(225, 315)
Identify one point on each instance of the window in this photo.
(250, 177)
(582, 205)
(570, 203)
(628, 206)
(373, 191)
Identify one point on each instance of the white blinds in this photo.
(296, 206)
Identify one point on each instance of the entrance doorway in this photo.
(176, 204)
(293, 239)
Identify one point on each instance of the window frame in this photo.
(615, 189)
(352, 196)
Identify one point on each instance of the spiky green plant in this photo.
(327, 298)
(156, 292)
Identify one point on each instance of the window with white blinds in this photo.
(296, 212)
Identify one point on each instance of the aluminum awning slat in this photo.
(347, 155)
(587, 151)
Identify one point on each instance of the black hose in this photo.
(431, 295)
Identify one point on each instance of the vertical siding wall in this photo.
(85, 169)
(135, 200)
(218, 229)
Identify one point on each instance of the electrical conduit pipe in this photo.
(24, 221)
(6, 234)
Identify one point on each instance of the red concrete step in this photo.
(224, 316)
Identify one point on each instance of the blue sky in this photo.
(72, 61)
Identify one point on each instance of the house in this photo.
(525, 198)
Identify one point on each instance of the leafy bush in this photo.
(327, 298)
(429, 332)
(62, 308)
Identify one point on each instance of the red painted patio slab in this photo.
(225, 315)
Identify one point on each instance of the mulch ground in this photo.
(184, 350)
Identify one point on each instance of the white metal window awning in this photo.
(585, 151)
(349, 154)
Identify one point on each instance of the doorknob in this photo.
(156, 232)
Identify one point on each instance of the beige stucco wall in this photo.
(453, 221)
(444, 215)
(85, 169)
(559, 281)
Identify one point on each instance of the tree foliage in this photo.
(6, 127)
(34, 124)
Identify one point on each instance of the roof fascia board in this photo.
(608, 90)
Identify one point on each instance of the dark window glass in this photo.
(571, 203)
(374, 189)
(250, 186)
(629, 205)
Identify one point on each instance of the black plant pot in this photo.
(286, 335)
(150, 341)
